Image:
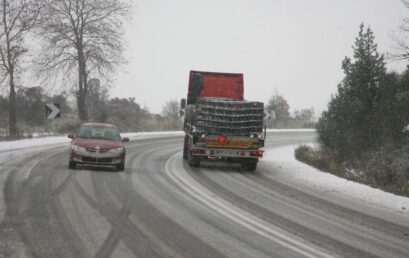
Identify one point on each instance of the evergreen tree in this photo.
(350, 127)
(393, 110)
(400, 103)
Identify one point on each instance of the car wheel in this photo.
(120, 167)
(72, 165)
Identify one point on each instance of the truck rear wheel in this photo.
(185, 147)
(192, 160)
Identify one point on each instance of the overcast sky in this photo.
(295, 47)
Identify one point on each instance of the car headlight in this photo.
(117, 150)
(77, 148)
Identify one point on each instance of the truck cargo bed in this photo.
(225, 116)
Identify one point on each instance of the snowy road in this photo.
(161, 207)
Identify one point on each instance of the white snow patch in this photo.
(289, 169)
(33, 142)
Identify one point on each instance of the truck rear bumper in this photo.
(228, 153)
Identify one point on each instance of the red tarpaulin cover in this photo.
(219, 85)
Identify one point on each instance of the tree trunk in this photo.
(82, 114)
(82, 85)
(12, 108)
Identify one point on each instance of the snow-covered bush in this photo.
(319, 158)
(378, 169)
(389, 167)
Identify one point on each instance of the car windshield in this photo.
(106, 133)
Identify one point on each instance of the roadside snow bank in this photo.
(53, 140)
(33, 142)
(289, 169)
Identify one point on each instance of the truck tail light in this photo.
(256, 153)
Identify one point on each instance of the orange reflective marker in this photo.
(222, 139)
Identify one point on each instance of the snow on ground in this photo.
(33, 142)
(288, 168)
(53, 140)
(19, 149)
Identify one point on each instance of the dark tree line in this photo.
(126, 113)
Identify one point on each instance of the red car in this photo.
(97, 144)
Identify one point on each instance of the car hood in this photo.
(90, 143)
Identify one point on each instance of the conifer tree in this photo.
(350, 127)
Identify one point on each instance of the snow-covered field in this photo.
(289, 169)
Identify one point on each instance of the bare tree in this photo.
(17, 19)
(170, 111)
(400, 39)
(82, 37)
(305, 116)
(278, 103)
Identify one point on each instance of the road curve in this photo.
(160, 207)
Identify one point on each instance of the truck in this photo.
(219, 124)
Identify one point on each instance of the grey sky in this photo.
(294, 46)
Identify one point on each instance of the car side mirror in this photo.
(71, 136)
(125, 139)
